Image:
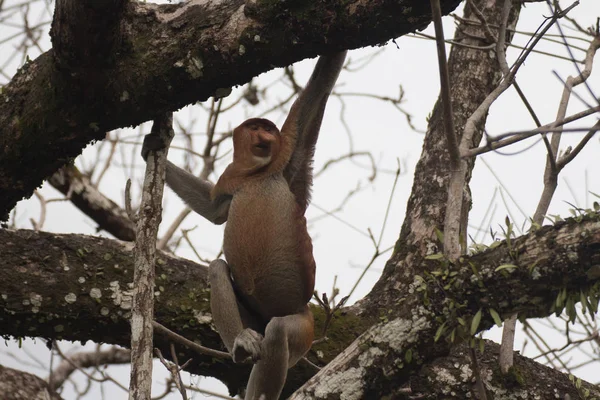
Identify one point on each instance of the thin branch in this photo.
(506, 139)
(569, 156)
(142, 311)
(205, 351)
(445, 86)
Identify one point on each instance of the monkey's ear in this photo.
(151, 143)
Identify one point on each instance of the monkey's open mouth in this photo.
(261, 149)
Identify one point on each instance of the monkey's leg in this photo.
(241, 343)
(286, 340)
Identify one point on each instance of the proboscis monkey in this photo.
(259, 297)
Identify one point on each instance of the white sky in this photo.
(342, 251)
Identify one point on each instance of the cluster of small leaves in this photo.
(508, 234)
(455, 321)
(588, 298)
(577, 213)
(584, 393)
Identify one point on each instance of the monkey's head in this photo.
(256, 143)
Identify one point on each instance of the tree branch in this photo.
(46, 282)
(144, 277)
(168, 56)
(19, 385)
(560, 261)
(89, 200)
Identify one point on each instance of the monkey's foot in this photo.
(246, 346)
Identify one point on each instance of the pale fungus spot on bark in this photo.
(35, 299)
(399, 333)
(104, 311)
(202, 318)
(95, 293)
(121, 298)
(81, 279)
(367, 358)
(465, 373)
(348, 383)
(71, 298)
(443, 375)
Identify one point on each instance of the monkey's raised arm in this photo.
(195, 192)
(301, 128)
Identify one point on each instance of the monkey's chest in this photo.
(268, 249)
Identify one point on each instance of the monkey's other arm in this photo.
(304, 122)
(195, 192)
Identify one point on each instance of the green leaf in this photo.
(439, 234)
(495, 244)
(496, 317)
(435, 256)
(510, 267)
(475, 322)
(408, 355)
(439, 332)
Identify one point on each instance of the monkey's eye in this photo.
(253, 127)
(267, 128)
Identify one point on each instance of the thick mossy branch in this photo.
(453, 378)
(163, 58)
(450, 302)
(77, 287)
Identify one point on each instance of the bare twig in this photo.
(452, 143)
(205, 351)
(174, 369)
(81, 360)
(40, 223)
(506, 139)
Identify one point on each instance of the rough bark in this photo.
(452, 378)
(160, 58)
(19, 385)
(436, 309)
(448, 378)
(109, 216)
(49, 286)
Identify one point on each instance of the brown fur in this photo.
(269, 276)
